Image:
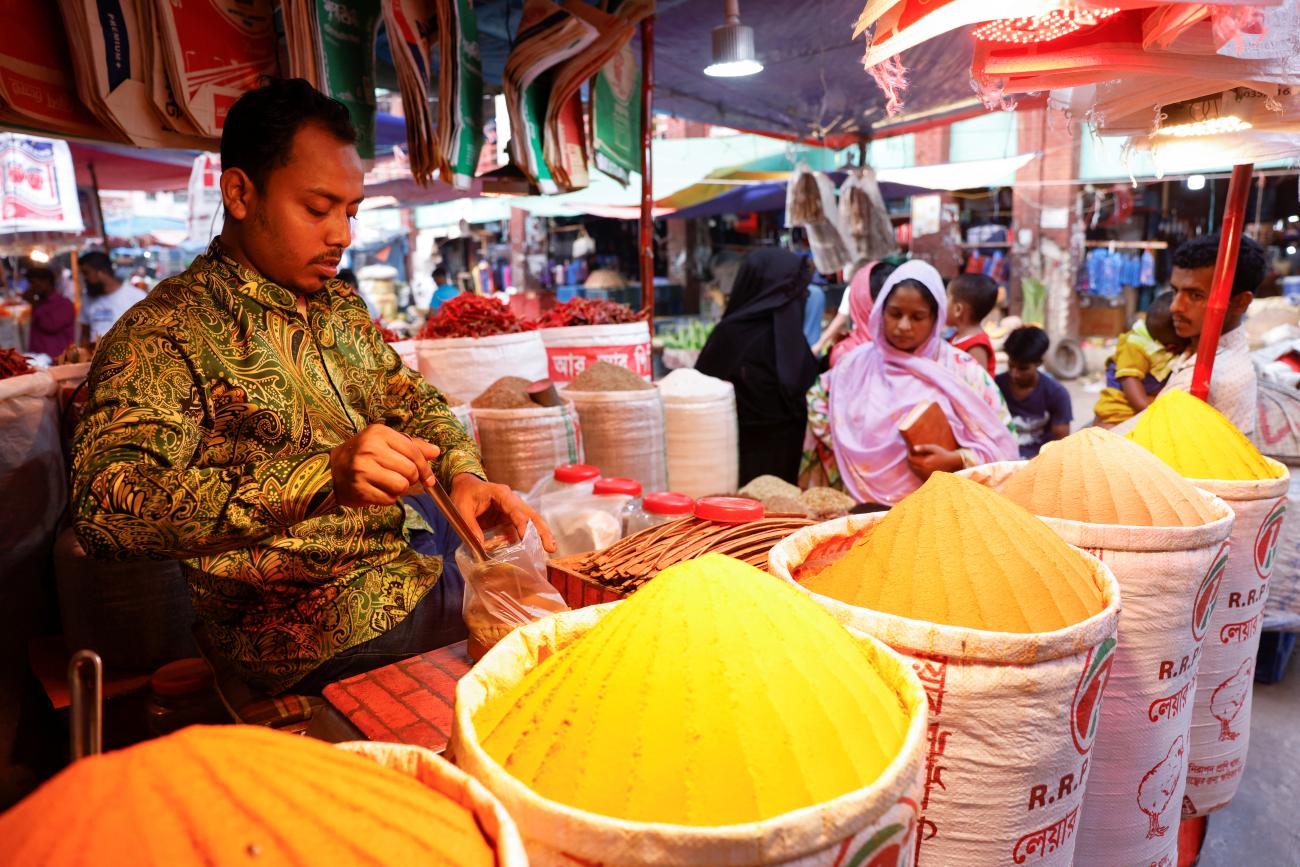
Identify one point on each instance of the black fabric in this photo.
(759, 346)
(771, 450)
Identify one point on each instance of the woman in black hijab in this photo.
(760, 348)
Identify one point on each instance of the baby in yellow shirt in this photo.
(1141, 364)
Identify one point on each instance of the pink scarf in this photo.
(873, 388)
(859, 310)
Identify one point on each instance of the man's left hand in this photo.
(485, 504)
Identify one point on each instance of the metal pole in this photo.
(647, 229)
(99, 206)
(1225, 267)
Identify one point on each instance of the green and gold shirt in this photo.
(213, 405)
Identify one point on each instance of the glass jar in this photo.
(659, 508)
(183, 693)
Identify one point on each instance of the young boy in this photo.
(971, 297)
(1038, 403)
(1141, 364)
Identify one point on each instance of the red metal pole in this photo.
(647, 240)
(1225, 267)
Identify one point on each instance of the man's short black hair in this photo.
(98, 261)
(1201, 252)
(979, 292)
(440, 275)
(39, 272)
(259, 130)
(1027, 344)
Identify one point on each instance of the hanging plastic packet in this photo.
(507, 591)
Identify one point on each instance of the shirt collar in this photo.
(257, 287)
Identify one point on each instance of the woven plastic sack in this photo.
(871, 827)
(521, 446)
(702, 435)
(1012, 716)
(570, 350)
(1224, 686)
(1277, 435)
(435, 772)
(623, 434)
(1169, 578)
(463, 367)
(34, 482)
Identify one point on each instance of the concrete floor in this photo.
(1261, 827)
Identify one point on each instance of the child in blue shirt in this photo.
(1039, 405)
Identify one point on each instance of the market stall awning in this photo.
(968, 175)
(122, 167)
(770, 196)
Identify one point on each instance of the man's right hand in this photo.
(379, 465)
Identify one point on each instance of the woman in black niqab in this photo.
(760, 348)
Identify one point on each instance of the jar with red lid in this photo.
(183, 693)
(660, 508)
(567, 478)
(621, 487)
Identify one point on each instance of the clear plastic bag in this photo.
(506, 592)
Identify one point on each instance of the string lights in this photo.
(1207, 126)
(1042, 28)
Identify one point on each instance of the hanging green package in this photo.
(461, 116)
(346, 32)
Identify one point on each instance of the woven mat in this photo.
(408, 702)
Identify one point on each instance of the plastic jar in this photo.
(618, 486)
(567, 478)
(660, 508)
(183, 693)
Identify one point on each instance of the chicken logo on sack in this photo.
(1230, 697)
(1156, 790)
(1207, 595)
(1085, 712)
(1267, 538)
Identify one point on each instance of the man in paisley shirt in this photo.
(248, 419)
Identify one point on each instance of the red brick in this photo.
(387, 707)
(430, 705)
(391, 678)
(423, 735)
(337, 694)
(440, 681)
(371, 727)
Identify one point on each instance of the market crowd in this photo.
(910, 388)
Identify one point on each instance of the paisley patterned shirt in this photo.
(213, 404)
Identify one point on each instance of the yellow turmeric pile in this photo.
(1100, 478)
(238, 795)
(954, 552)
(1198, 441)
(715, 695)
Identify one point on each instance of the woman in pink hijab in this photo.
(854, 410)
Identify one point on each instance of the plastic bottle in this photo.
(567, 478)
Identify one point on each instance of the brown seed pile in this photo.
(823, 503)
(508, 392)
(603, 376)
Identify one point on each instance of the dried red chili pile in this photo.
(588, 311)
(13, 363)
(389, 335)
(470, 315)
